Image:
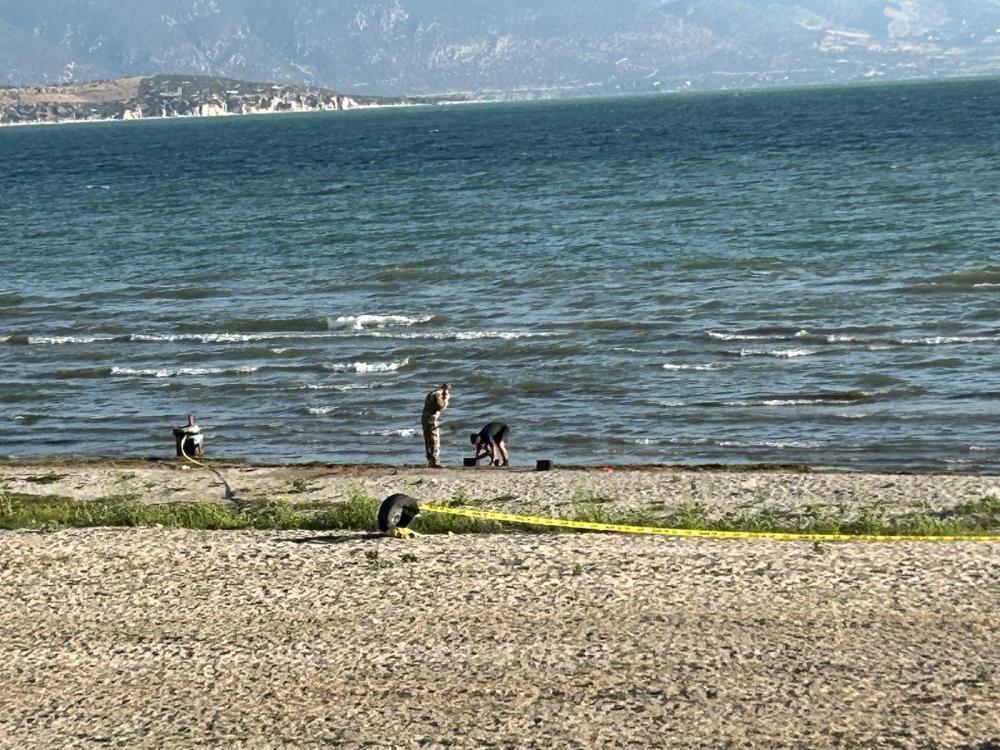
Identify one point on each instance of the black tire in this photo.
(397, 510)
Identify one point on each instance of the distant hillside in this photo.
(517, 48)
(170, 96)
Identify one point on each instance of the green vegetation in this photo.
(49, 478)
(50, 512)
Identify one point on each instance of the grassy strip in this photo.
(50, 512)
(980, 517)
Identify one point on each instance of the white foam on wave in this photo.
(671, 366)
(939, 340)
(738, 336)
(769, 444)
(362, 322)
(793, 401)
(978, 448)
(407, 432)
(461, 335)
(366, 368)
(506, 335)
(783, 353)
(56, 340)
(839, 338)
(178, 372)
(226, 338)
(337, 387)
(321, 409)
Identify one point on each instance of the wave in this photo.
(82, 372)
(609, 324)
(780, 334)
(408, 273)
(770, 444)
(670, 366)
(407, 432)
(193, 292)
(793, 401)
(355, 328)
(265, 325)
(362, 322)
(57, 340)
(178, 372)
(931, 363)
(321, 409)
(366, 368)
(738, 336)
(940, 340)
(879, 380)
(973, 280)
(782, 353)
(806, 399)
(11, 299)
(460, 335)
(337, 387)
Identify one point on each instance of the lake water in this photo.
(807, 276)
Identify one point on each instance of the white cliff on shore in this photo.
(170, 96)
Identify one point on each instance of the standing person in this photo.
(489, 440)
(435, 403)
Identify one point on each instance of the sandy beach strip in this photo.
(180, 638)
(657, 490)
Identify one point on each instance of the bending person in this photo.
(490, 441)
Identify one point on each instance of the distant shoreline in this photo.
(228, 115)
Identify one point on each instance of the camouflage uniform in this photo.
(434, 404)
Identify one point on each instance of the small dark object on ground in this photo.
(397, 511)
(543, 464)
(468, 461)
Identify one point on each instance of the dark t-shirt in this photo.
(494, 432)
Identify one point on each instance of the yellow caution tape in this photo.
(230, 495)
(489, 515)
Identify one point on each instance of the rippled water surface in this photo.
(795, 276)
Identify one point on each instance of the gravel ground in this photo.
(174, 638)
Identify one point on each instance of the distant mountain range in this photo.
(510, 49)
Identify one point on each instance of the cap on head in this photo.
(446, 386)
